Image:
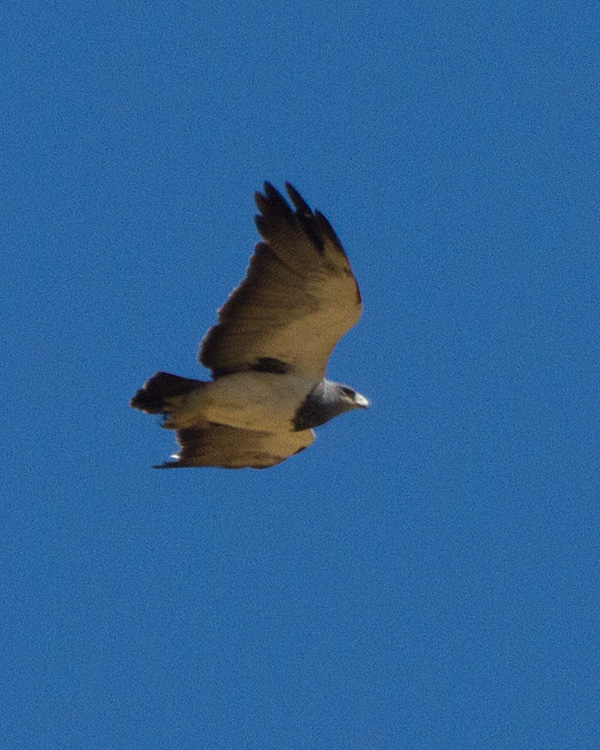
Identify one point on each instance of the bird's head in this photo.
(326, 401)
(352, 398)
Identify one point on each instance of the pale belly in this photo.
(250, 400)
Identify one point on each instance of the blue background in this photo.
(426, 575)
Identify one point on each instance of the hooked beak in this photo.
(361, 402)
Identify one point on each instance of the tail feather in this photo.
(152, 397)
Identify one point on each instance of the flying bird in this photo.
(269, 350)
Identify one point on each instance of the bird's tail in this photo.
(154, 394)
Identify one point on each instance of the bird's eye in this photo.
(347, 392)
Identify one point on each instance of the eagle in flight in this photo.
(269, 350)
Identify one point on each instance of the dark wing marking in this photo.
(298, 299)
(227, 447)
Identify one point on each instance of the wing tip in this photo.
(271, 203)
(298, 201)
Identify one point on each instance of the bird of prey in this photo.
(269, 350)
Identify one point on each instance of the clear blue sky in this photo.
(426, 575)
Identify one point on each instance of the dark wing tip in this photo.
(273, 195)
(299, 203)
(260, 200)
(326, 228)
(271, 198)
(270, 201)
(316, 218)
(274, 209)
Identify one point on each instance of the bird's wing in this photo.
(211, 444)
(297, 300)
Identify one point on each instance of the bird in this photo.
(268, 351)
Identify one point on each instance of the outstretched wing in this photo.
(298, 299)
(211, 444)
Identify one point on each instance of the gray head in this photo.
(326, 401)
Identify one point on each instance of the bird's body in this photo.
(250, 400)
(269, 350)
